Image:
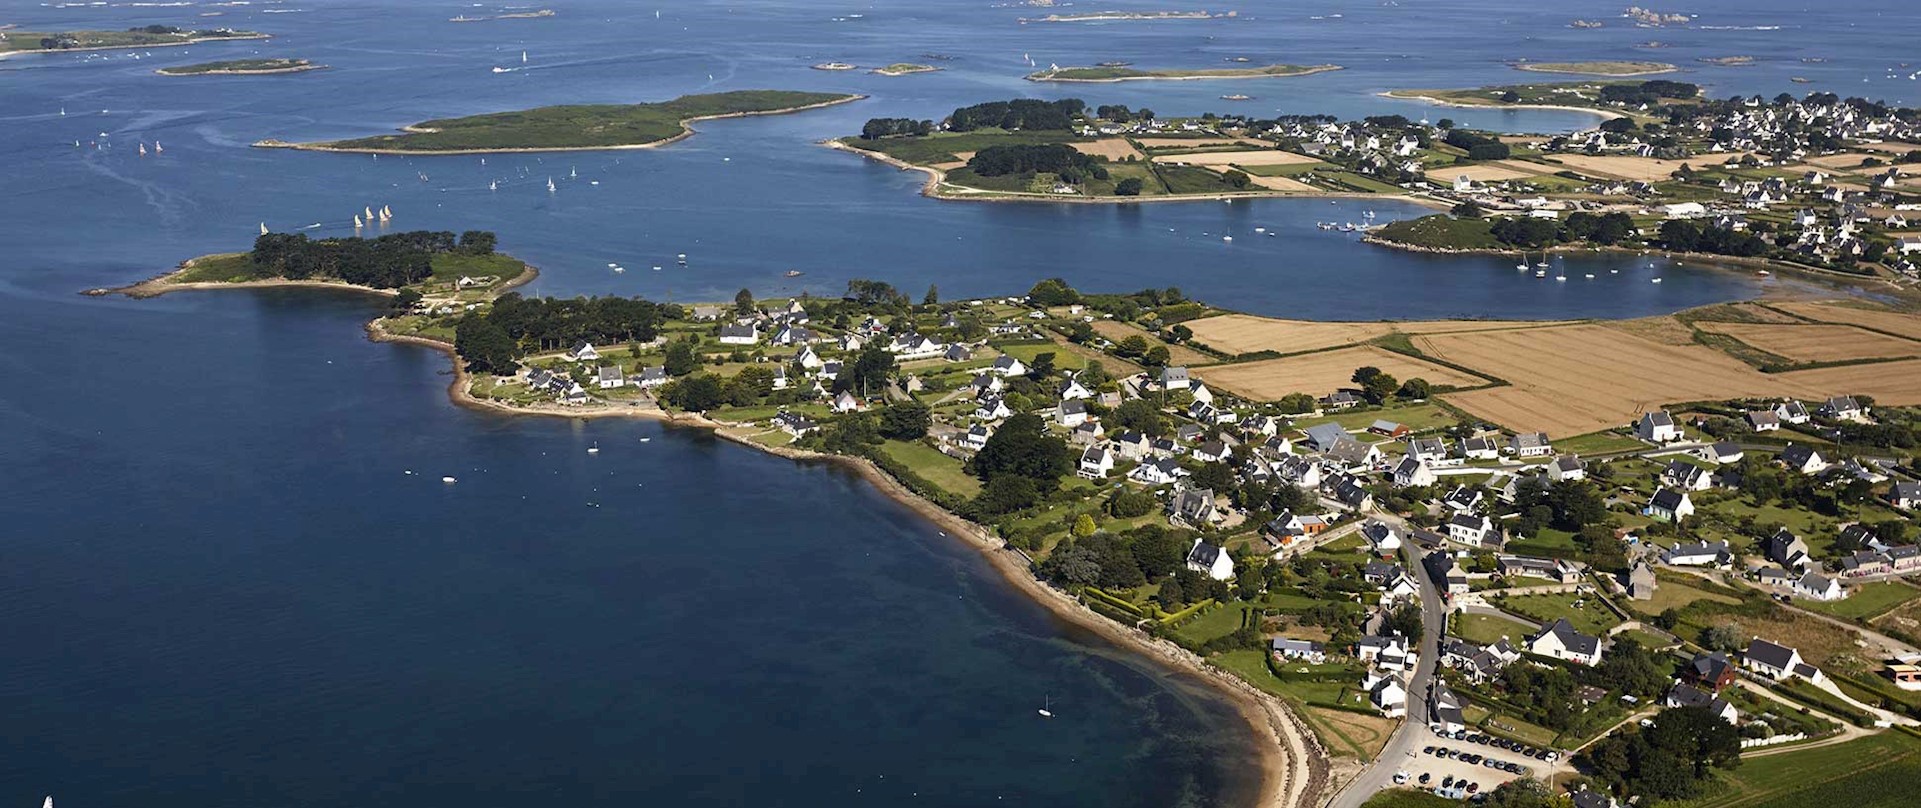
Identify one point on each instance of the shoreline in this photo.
(181, 43)
(686, 131)
(1709, 259)
(161, 285)
(1308, 71)
(937, 178)
(1293, 764)
(1441, 102)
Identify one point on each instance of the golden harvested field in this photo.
(1176, 354)
(1896, 383)
(1284, 184)
(1893, 322)
(1664, 329)
(1816, 343)
(1112, 148)
(1325, 372)
(1484, 172)
(1646, 169)
(1250, 157)
(1846, 161)
(1245, 333)
(1575, 379)
(1192, 143)
(1458, 326)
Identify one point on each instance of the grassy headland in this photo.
(1598, 68)
(150, 36)
(241, 67)
(1106, 74)
(415, 264)
(577, 127)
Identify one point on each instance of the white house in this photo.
(1175, 378)
(1819, 587)
(1763, 420)
(976, 437)
(1531, 444)
(738, 335)
(1072, 413)
(1381, 537)
(1471, 529)
(909, 347)
(1157, 472)
(1792, 412)
(1210, 560)
(1095, 463)
(1073, 390)
(992, 408)
(1670, 505)
(1559, 640)
(1657, 427)
(1778, 662)
(1412, 472)
(1698, 554)
(1686, 695)
(808, 359)
(609, 377)
(583, 352)
(1386, 694)
(1302, 650)
(1802, 458)
(1008, 366)
(846, 402)
(1566, 468)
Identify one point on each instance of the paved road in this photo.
(1413, 733)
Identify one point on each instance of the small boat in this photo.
(573, 173)
(357, 222)
(550, 185)
(143, 150)
(1237, 97)
(1227, 238)
(449, 480)
(1540, 273)
(1523, 265)
(794, 273)
(645, 440)
(1047, 710)
(500, 70)
(618, 270)
(1589, 276)
(386, 213)
(523, 57)
(1656, 280)
(1260, 229)
(1560, 277)
(594, 449)
(156, 147)
(368, 212)
(682, 258)
(263, 228)
(493, 186)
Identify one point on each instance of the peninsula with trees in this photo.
(147, 36)
(242, 67)
(576, 127)
(1104, 73)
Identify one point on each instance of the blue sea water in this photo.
(219, 586)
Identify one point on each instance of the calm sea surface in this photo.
(220, 586)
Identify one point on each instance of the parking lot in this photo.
(1467, 762)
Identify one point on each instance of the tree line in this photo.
(1054, 158)
(1020, 113)
(878, 128)
(494, 341)
(386, 262)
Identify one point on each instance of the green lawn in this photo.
(1597, 443)
(1547, 542)
(1591, 617)
(933, 466)
(1219, 620)
(1867, 601)
(1483, 629)
(584, 126)
(1879, 771)
(219, 268)
(450, 267)
(1026, 353)
(1407, 798)
(1675, 594)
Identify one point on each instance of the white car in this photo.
(1400, 778)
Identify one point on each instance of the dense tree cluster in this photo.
(1648, 92)
(1020, 113)
(1670, 760)
(1478, 146)
(1119, 113)
(878, 128)
(1681, 235)
(386, 262)
(1054, 158)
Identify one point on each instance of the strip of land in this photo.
(152, 36)
(904, 69)
(242, 67)
(1598, 68)
(576, 127)
(1113, 74)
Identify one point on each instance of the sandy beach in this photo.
(686, 131)
(1309, 71)
(1403, 95)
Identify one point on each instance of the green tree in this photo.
(1131, 346)
(743, 302)
(906, 420)
(1297, 403)
(1415, 388)
(1042, 367)
(697, 393)
(1053, 292)
(681, 358)
(405, 300)
(1379, 387)
(1083, 526)
(1237, 179)
(1022, 447)
(932, 298)
(870, 369)
(486, 347)
(1156, 356)
(1129, 186)
(1127, 503)
(852, 434)
(1009, 493)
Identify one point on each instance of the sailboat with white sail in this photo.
(1047, 709)
(263, 228)
(386, 213)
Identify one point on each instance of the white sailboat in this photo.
(156, 147)
(143, 150)
(357, 222)
(573, 173)
(1523, 265)
(493, 186)
(594, 449)
(368, 211)
(386, 213)
(263, 228)
(550, 185)
(1047, 710)
(523, 57)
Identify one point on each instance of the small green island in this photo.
(1598, 68)
(576, 127)
(147, 36)
(904, 68)
(410, 265)
(1618, 98)
(1100, 73)
(242, 67)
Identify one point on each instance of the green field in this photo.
(218, 268)
(1483, 629)
(1129, 74)
(240, 66)
(1866, 601)
(1441, 232)
(19, 41)
(1026, 353)
(1879, 771)
(946, 147)
(584, 126)
(1591, 617)
(933, 466)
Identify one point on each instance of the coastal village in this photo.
(1600, 561)
(1818, 182)
(1500, 600)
